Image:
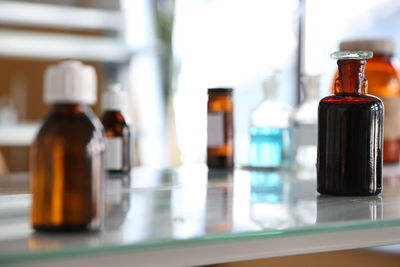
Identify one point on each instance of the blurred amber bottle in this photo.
(220, 128)
(117, 130)
(383, 82)
(66, 161)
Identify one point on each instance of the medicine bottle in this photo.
(383, 82)
(270, 130)
(66, 160)
(220, 128)
(350, 132)
(117, 131)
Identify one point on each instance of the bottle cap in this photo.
(226, 90)
(114, 98)
(384, 46)
(360, 55)
(70, 82)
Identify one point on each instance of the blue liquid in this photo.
(269, 147)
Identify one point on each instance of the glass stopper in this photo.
(352, 55)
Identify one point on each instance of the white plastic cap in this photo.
(114, 98)
(70, 82)
(384, 46)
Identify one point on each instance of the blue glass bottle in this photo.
(270, 133)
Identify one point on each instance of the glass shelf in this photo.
(152, 210)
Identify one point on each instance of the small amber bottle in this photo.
(350, 133)
(66, 160)
(220, 128)
(117, 130)
(383, 82)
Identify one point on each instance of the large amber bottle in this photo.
(383, 82)
(66, 161)
(220, 128)
(350, 133)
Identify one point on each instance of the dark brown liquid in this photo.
(350, 132)
(67, 172)
(115, 126)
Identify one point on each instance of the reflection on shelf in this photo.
(219, 201)
(332, 209)
(117, 200)
(270, 200)
(188, 212)
(149, 208)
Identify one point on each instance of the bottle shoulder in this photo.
(114, 117)
(273, 105)
(111, 119)
(272, 114)
(367, 100)
(350, 98)
(81, 126)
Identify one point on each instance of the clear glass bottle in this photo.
(350, 132)
(270, 134)
(305, 121)
(66, 160)
(117, 130)
(220, 128)
(383, 82)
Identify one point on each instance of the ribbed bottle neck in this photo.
(351, 79)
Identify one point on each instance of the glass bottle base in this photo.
(349, 194)
(220, 162)
(65, 228)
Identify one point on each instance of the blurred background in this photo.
(166, 53)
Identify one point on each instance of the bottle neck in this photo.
(113, 116)
(113, 113)
(351, 79)
(70, 108)
(270, 94)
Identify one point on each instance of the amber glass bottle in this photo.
(383, 82)
(117, 130)
(220, 128)
(66, 161)
(350, 133)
